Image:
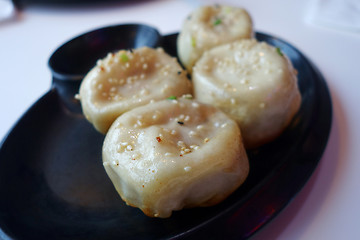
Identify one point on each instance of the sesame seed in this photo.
(206, 140)
(195, 104)
(196, 147)
(192, 133)
(187, 96)
(187, 168)
(144, 92)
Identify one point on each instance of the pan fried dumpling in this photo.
(174, 154)
(254, 83)
(128, 79)
(210, 26)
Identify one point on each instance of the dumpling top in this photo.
(128, 79)
(210, 26)
(172, 154)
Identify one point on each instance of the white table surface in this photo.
(328, 206)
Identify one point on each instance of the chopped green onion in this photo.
(124, 57)
(193, 42)
(217, 22)
(279, 51)
(172, 98)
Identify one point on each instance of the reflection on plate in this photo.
(53, 185)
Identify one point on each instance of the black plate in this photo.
(53, 185)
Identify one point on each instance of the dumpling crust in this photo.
(210, 26)
(254, 83)
(174, 154)
(128, 79)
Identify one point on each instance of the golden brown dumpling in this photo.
(252, 82)
(210, 26)
(174, 154)
(128, 79)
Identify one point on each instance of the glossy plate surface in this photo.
(53, 185)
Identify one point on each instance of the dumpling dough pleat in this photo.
(174, 154)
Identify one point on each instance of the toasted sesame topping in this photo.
(187, 168)
(187, 96)
(192, 133)
(199, 127)
(139, 123)
(181, 144)
(195, 104)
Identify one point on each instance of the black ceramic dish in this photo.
(53, 185)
